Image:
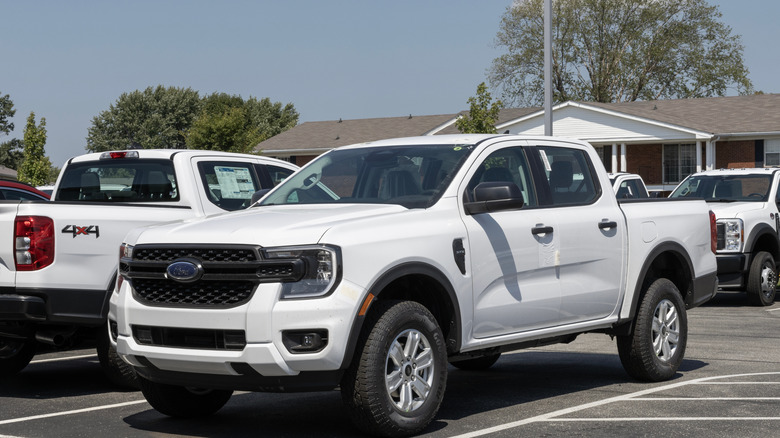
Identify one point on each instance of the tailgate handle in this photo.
(607, 225)
(541, 230)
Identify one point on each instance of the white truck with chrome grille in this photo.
(377, 264)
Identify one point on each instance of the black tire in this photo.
(15, 354)
(118, 372)
(655, 349)
(478, 363)
(181, 402)
(374, 406)
(762, 280)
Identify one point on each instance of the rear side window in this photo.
(229, 185)
(569, 175)
(278, 174)
(126, 180)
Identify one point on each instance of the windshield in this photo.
(725, 188)
(413, 176)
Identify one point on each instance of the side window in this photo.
(505, 165)
(569, 175)
(229, 185)
(278, 174)
(630, 189)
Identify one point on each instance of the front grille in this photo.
(200, 293)
(165, 254)
(721, 236)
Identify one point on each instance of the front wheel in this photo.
(655, 349)
(396, 381)
(762, 280)
(15, 354)
(182, 402)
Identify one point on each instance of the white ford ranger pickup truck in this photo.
(58, 259)
(377, 264)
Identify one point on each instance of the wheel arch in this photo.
(406, 282)
(667, 260)
(763, 238)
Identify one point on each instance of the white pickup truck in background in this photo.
(377, 264)
(58, 259)
(746, 203)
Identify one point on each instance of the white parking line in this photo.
(57, 359)
(76, 411)
(627, 397)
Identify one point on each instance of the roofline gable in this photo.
(613, 113)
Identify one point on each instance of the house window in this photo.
(605, 153)
(679, 161)
(772, 152)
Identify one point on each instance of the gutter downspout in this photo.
(712, 154)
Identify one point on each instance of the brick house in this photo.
(663, 140)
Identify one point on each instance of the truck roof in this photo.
(450, 139)
(740, 171)
(159, 154)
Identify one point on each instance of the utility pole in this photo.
(548, 118)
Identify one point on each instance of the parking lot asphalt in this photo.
(729, 384)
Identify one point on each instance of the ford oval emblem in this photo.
(184, 271)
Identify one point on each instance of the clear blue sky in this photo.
(69, 60)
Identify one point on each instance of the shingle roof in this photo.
(759, 113)
(313, 136)
(716, 115)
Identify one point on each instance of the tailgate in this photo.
(87, 239)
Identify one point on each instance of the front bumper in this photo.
(731, 270)
(264, 363)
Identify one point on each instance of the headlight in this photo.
(731, 238)
(321, 269)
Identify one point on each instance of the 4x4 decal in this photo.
(85, 230)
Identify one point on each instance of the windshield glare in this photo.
(725, 188)
(412, 176)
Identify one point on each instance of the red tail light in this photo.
(33, 242)
(713, 233)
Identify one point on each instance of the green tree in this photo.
(35, 166)
(618, 50)
(229, 123)
(157, 117)
(12, 153)
(483, 114)
(6, 112)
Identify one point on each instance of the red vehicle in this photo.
(16, 191)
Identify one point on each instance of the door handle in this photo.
(606, 225)
(541, 230)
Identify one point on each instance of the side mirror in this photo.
(495, 196)
(258, 195)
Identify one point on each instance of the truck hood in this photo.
(734, 209)
(271, 225)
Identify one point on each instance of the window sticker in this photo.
(545, 160)
(235, 182)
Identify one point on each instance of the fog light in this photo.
(305, 341)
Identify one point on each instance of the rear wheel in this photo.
(15, 354)
(397, 379)
(182, 402)
(762, 280)
(655, 350)
(117, 371)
